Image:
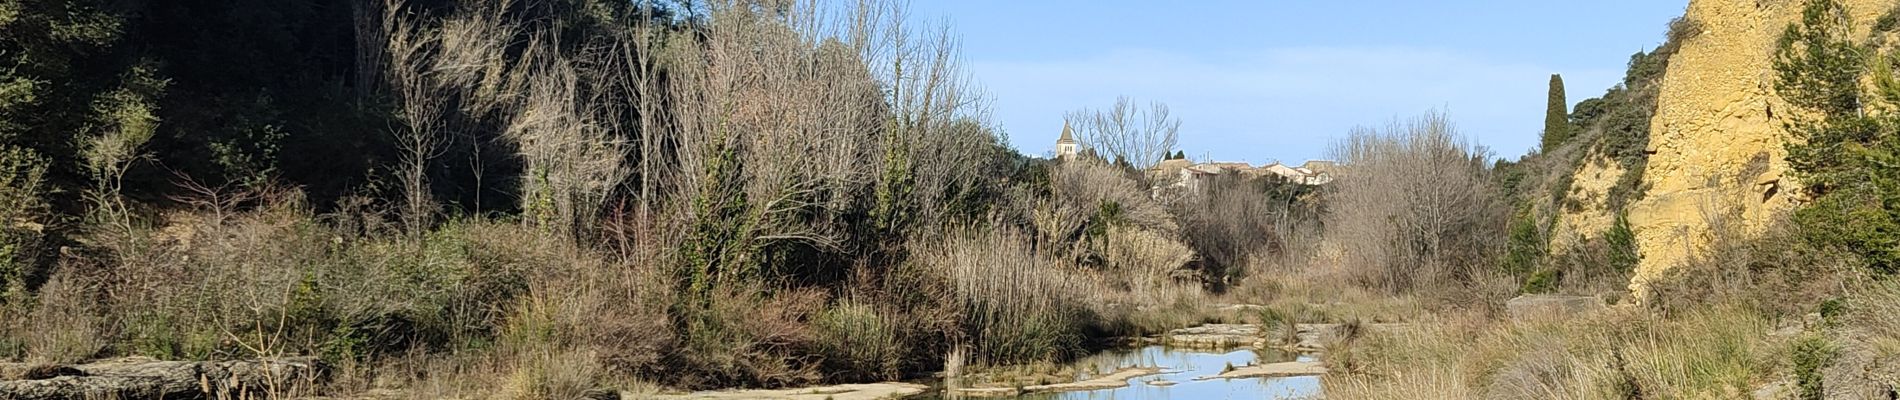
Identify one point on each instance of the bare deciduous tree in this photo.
(1140, 136)
(772, 121)
(573, 162)
(817, 109)
(563, 135)
(1413, 205)
(421, 105)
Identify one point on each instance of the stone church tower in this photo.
(1067, 146)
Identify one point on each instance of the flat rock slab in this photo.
(1313, 337)
(1118, 379)
(1274, 370)
(1215, 336)
(1309, 337)
(144, 378)
(1537, 306)
(865, 391)
(1239, 307)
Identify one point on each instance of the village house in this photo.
(1191, 175)
(1168, 170)
(1311, 173)
(1281, 170)
(1185, 176)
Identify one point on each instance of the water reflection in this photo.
(1182, 367)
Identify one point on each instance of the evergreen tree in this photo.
(1557, 115)
(1843, 155)
(1818, 65)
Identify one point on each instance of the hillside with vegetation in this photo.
(1733, 182)
(603, 199)
(548, 199)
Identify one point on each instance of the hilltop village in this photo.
(1184, 175)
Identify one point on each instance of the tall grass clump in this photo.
(1019, 306)
(862, 340)
(1876, 307)
(1719, 352)
(1146, 265)
(276, 281)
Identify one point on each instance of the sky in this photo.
(1261, 81)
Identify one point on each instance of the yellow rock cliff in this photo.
(1590, 187)
(1716, 142)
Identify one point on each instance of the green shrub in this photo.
(1546, 280)
(1812, 354)
(22, 176)
(1623, 254)
(1600, 265)
(1818, 63)
(1527, 246)
(1832, 311)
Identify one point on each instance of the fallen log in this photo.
(144, 378)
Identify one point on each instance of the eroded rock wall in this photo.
(1591, 216)
(1716, 143)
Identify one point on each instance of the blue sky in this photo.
(1263, 80)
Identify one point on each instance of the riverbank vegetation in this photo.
(557, 199)
(1792, 311)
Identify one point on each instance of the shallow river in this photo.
(1182, 366)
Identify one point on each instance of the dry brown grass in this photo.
(66, 325)
(748, 336)
(1019, 305)
(1875, 312)
(1318, 296)
(1713, 353)
(1146, 265)
(274, 281)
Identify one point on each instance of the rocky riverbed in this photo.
(1303, 337)
(1215, 360)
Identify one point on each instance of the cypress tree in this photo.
(1556, 116)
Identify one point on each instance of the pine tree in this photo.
(1843, 154)
(1557, 115)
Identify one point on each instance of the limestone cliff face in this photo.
(1716, 142)
(1591, 216)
